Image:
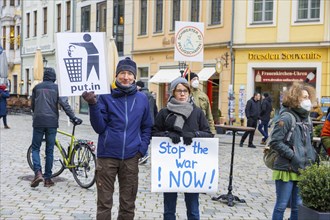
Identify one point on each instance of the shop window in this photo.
(308, 9)
(159, 16)
(215, 12)
(194, 10)
(263, 11)
(176, 7)
(143, 17)
(85, 18)
(12, 3)
(18, 39)
(101, 17)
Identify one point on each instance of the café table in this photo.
(229, 197)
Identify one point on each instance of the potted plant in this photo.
(314, 189)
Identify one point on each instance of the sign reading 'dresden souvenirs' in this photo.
(189, 41)
(81, 61)
(181, 168)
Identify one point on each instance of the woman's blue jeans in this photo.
(50, 135)
(192, 205)
(285, 190)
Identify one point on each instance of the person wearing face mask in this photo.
(123, 122)
(181, 118)
(316, 112)
(201, 100)
(295, 152)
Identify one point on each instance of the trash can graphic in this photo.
(73, 67)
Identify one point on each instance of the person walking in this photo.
(266, 109)
(181, 118)
(316, 113)
(4, 94)
(201, 100)
(295, 151)
(123, 122)
(252, 112)
(325, 133)
(153, 112)
(44, 103)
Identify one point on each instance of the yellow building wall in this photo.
(307, 33)
(261, 35)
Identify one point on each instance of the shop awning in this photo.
(206, 73)
(165, 76)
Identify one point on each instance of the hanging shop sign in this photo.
(189, 41)
(280, 75)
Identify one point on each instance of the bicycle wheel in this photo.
(58, 167)
(84, 162)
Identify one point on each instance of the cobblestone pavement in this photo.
(66, 200)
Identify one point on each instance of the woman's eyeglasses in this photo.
(180, 91)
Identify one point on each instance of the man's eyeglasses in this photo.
(180, 91)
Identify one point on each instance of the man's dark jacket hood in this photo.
(49, 74)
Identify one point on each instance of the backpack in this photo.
(270, 154)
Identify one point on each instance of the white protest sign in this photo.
(81, 63)
(181, 168)
(189, 41)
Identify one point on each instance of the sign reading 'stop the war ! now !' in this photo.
(81, 59)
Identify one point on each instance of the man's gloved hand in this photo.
(89, 97)
(76, 121)
(175, 137)
(187, 137)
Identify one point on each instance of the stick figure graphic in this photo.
(188, 45)
(93, 54)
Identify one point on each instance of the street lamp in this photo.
(182, 67)
(44, 61)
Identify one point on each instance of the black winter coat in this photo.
(196, 123)
(266, 109)
(252, 109)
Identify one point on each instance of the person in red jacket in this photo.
(325, 134)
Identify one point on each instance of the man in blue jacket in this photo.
(123, 121)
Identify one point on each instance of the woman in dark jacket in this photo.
(4, 94)
(181, 118)
(296, 152)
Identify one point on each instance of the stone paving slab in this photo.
(66, 200)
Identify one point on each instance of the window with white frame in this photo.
(176, 7)
(215, 12)
(308, 10)
(27, 25)
(45, 20)
(35, 24)
(144, 75)
(85, 18)
(143, 17)
(59, 18)
(263, 11)
(159, 16)
(194, 10)
(68, 15)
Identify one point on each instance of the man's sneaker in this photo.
(48, 183)
(241, 144)
(143, 160)
(7, 127)
(263, 142)
(252, 146)
(37, 179)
